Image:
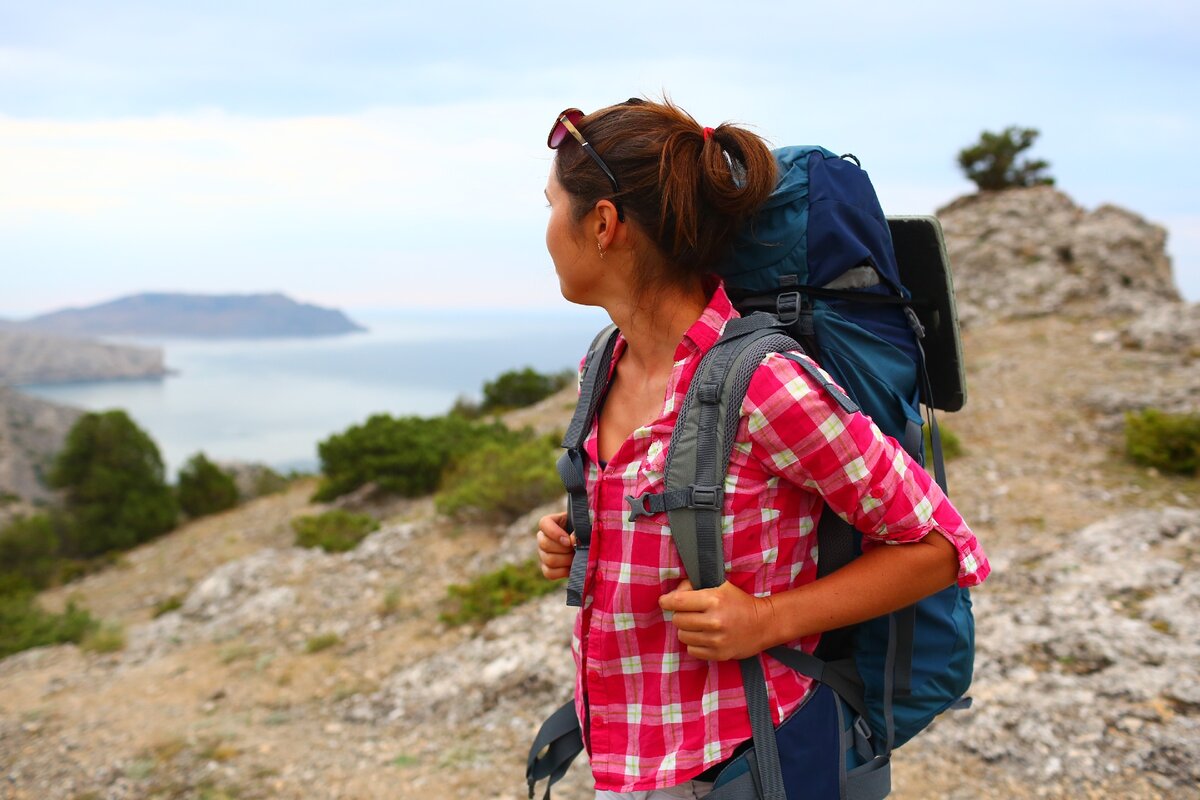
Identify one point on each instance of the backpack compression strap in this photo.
(572, 465)
(554, 748)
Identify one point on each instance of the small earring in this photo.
(601, 249)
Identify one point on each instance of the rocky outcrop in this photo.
(30, 357)
(31, 433)
(1030, 252)
(1166, 328)
(1087, 659)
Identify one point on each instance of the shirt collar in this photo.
(708, 328)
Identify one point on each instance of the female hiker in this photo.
(644, 206)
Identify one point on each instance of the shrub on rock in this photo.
(334, 531)
(1168, 442)
(204, 488)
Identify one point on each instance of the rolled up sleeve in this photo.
(800, 433)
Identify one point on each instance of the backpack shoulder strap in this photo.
(572, 464)
(698, 461)
(702, 442)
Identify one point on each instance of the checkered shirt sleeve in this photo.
(801, 434)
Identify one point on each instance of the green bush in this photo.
(951, 445)
(321, 642)
(334, 531)
(29, 548)
(492, 595)
(104, 638)
(116, 495)
(204, 488)
(520, 388)
(1168, 442)
(23, 624)
(466, 407)
(992, 161)
(404, 455)
(500, 482)
(167, 605)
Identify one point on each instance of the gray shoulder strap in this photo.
(592, 384)
(702, 442)
(572, 464)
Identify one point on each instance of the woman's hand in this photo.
(555, 546)
(722, 623)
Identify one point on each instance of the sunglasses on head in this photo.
(565, 125)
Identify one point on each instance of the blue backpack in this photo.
(816, 271)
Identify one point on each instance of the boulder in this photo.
(1032, 251)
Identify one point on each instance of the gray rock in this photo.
(1076, 671)
(1031, 252)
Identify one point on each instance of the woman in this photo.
(644, 204)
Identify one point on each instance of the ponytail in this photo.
(689, 188)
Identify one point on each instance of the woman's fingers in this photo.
(716, 624)
(553, 544)
(553, 527)
(555, 550)
(555, 574)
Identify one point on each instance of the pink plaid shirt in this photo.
(653, 715)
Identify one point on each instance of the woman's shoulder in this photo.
(788, 376)
(791, 396)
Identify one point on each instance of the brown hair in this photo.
(688, 188)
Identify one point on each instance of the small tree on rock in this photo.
(116, 494)
(520, 388)
(992, 161)
(205, 488)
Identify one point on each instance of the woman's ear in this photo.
(606, 225)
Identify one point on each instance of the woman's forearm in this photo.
(726, 622)
(883, 579)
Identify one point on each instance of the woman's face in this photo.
(577, 265)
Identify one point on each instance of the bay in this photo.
(273, 400)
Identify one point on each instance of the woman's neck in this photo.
(653, 331)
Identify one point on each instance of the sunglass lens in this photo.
(560, 132)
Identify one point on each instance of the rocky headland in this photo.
(28, 357)
(1087, 639)
(197, 316)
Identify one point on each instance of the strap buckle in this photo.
(707, 498)
(914, 322)
(787, 307)
(862, 728)
(640, 505)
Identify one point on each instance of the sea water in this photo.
(273, 400)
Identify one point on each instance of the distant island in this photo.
(171, 315)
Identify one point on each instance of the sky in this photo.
(392, 154)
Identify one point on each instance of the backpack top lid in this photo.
(822, 220)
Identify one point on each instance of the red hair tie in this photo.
(708, 132)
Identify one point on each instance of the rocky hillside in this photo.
(32, 357)
(1086, 682)
(31, 432)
